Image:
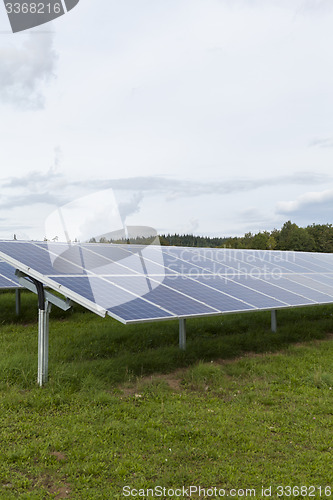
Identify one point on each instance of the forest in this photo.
(313, 238)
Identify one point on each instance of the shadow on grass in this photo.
(85, 349)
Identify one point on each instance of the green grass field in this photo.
(125, 410)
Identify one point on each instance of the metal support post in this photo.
(45, 299)
(18, 301)
(43, 333)
(273, 321)
(43, 343)
(182, 334)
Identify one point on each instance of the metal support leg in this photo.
(182, 334)
(18, 301)
(273, 321)
(43, 343)
(45, 299)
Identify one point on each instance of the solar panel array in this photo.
(137, 283)
(8, 279)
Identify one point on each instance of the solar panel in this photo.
(8, 280)
(136, 283)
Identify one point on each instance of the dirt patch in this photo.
(173, 380)
(53, 486)
(62, 492)
(58, 455)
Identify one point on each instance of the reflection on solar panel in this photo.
(135, 283)
(8, 279)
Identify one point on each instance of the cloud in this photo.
(52, 187)
(311, 5)
(25, 69)
(175, 188)
(58, 156)
(33, 180)
(131, 206)
(326, 142)
(311, 206)
(28, 200)
(251, 214)
(306, 199)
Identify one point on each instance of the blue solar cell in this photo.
(163, 296)
(273, 289)
(301, 290)
(77, 284)
(137, 283)
(323, 278)
(312, 262)
(28, 254)
(97, 263)
(197, 289)
(138, 310)
(7, 276)
(108, 259)
(195, 264)
(256, 262)
(66, 259)
(242, 291)
(6, 283)
(312, 282)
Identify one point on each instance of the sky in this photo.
(211, 117)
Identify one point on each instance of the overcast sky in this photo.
(212, 117)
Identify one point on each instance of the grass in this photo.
(242, 408)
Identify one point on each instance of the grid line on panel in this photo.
(60, 256)
(135, 296)
(232, 280)
(9, 281)
(299, 281)
(299, 257)
(7, 275)
(90, 286)
(53, 284)
(315, 256)
(282, 287)
(253, 265)
(92, 274)
(180, 294)
(186, 295)
(215, 289)
(300, 294)
(214, 309)
(109, 259)
(326, 289)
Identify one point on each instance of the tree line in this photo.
(313, 238)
